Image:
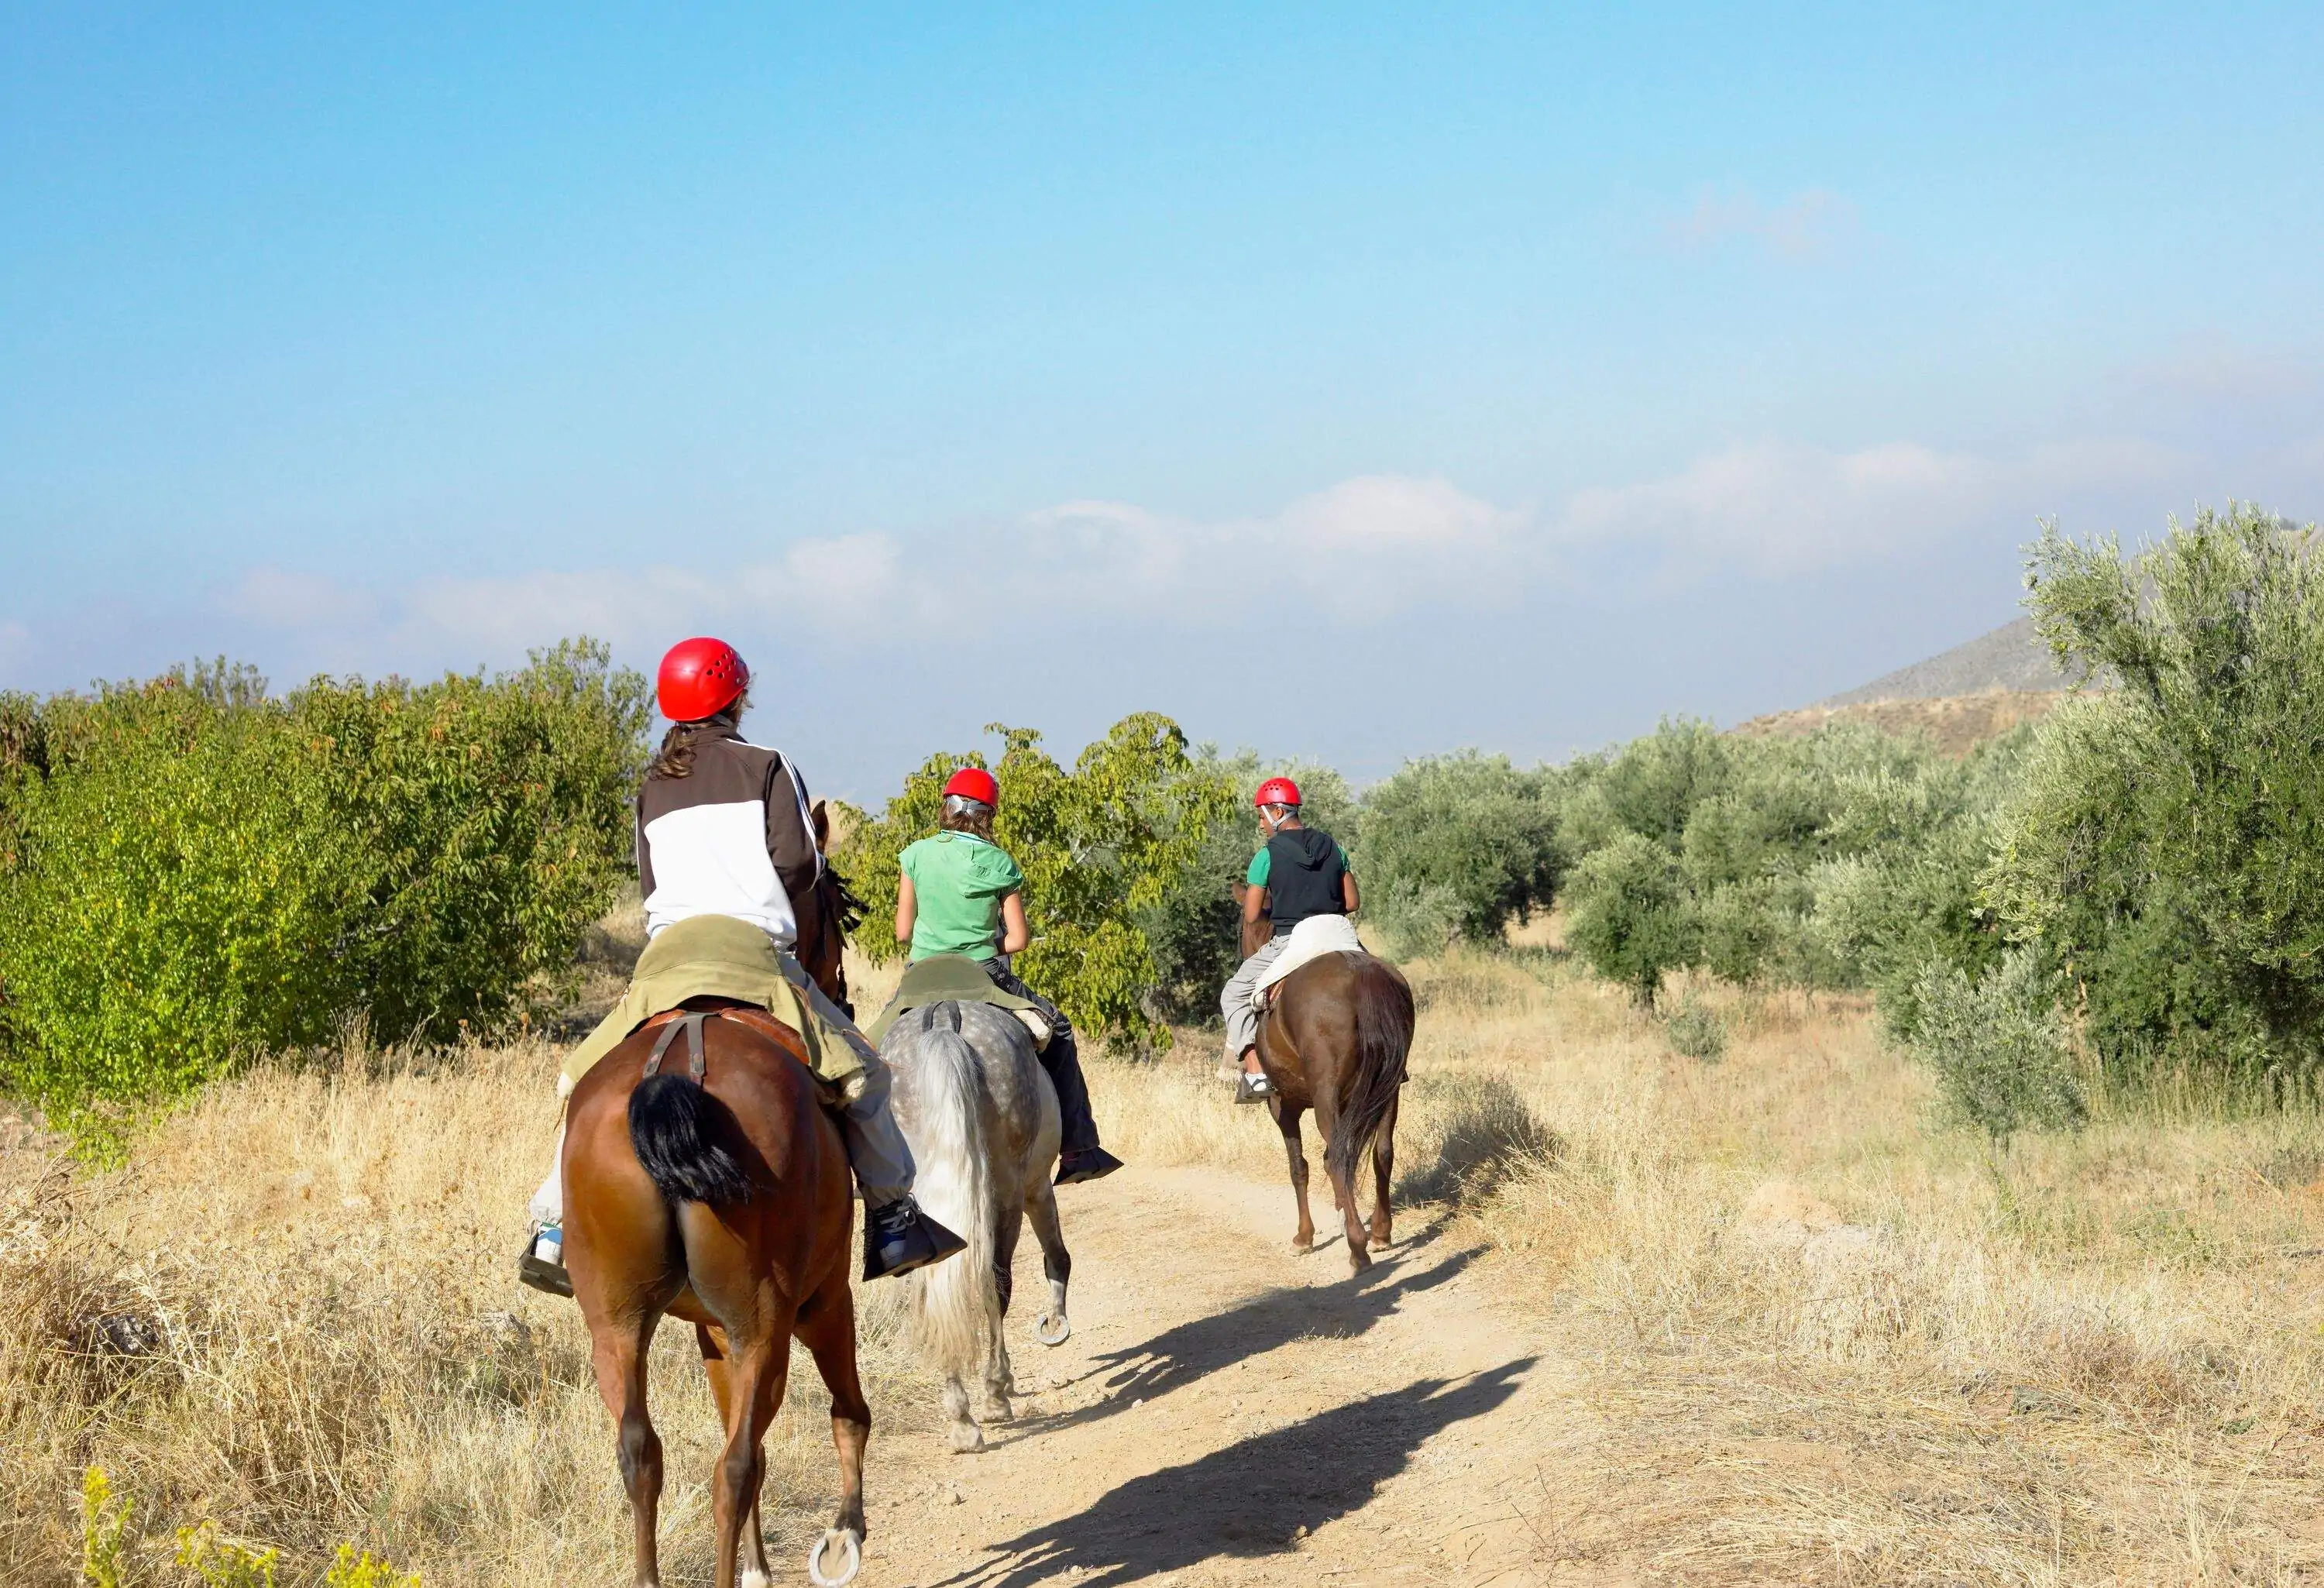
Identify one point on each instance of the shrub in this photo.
(2167, 847)
(1098, 844)
(1694, 1030)
(1997, 1045)
(194, 872)
(1456, 847)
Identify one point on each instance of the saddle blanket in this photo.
(953, 978)
(1311, 939)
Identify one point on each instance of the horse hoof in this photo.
(848, 1545)
(967, 1438)
(1052, 1331)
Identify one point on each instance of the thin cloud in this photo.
(1785, 507)
(1372, 550)
(1805, 227)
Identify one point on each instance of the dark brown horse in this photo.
(720, 1194)
(1335, 1041)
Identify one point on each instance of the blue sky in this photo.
(1346, 380)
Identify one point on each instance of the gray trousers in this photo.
(1234, 1004)
(876, 1149)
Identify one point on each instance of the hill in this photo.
(1973, 692)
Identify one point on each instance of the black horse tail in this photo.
(1384, 1019)
(680, 1133)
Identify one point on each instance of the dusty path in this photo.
(1229, 1411)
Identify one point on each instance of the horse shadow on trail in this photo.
(1201, 1346)
(1251, 1499)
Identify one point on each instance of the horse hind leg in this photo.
(1383, 1173)
(755, 1571)
(619, 1356)
(827, 1329)
(756, 1377)
(1052, 1328)
(1286, 1120)
(999, 1377)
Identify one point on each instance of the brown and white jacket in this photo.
(732, 837)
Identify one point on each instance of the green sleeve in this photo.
(1346, 864)
(905, 861)
(1261, 868)
(1011, 873)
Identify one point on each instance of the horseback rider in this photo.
(1298, 871)
(962, 893)
(726, 852)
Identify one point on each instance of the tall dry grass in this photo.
(294, 1312)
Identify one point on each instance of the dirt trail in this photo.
(1229, 1411)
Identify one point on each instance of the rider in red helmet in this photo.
(726, 842)
(962, 893)
(1298, 871)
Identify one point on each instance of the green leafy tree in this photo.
(1098, 844)
(1997, 1047)
(2168, 845)
(1457, 846)
(1629, 915)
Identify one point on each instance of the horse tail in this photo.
(952, 1301)
(1384, 1021)
(680, 1132)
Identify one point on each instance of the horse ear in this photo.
(822, 825)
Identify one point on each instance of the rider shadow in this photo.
(1254, 1499)
(1201, 1346)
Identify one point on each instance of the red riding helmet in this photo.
(700, 677)
(1276, 791)
(973, 782)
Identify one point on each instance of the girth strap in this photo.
(691, 1022)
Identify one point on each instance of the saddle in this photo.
(687, 1016)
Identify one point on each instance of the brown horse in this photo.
(1335, 1041)
(721, 1195)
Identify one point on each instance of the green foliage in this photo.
(1099, 845)
(1997, 1045)
(1695, 1030)
(1630, 916)
(195, 873)
(221, 1563)
(1457, 846)
(103, 1529)
(1194, 928)
(2168, 847)
(352, 1570)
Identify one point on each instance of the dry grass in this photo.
(1811, 1338)
(294, 1312)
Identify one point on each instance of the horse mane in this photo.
(1384, 1022)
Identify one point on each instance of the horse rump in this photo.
(681, 1134)
(1384, 1022)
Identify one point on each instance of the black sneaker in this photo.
(542, 1266)
(1091, 1163)
(1253, 1088)
(899, 1238)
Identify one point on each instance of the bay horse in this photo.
(1335, 1040)
(722, 1196)
(981, 1115)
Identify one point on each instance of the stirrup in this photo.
(1250, 1088)
(921, 1241)
(1093, 1163)
(542, 1266)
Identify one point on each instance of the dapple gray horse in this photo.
(982, 1119)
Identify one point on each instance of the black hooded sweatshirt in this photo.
(1304, 872)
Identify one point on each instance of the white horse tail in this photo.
(953, 1300)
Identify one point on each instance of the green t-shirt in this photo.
(958, 881)
(1262, 868)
